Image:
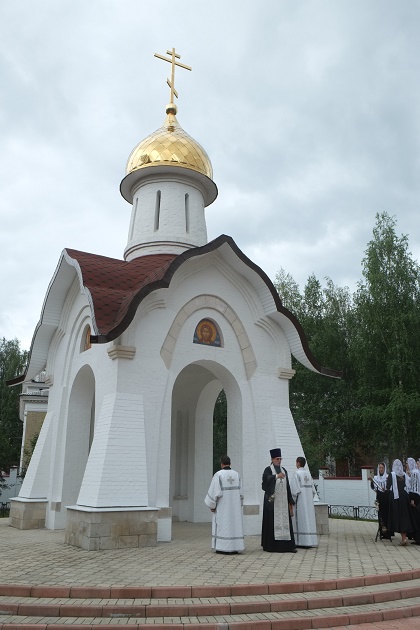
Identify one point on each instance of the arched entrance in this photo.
(194, 395)
(80, 429)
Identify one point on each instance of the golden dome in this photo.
(170, 145)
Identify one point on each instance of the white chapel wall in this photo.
(262, 424)
(254, 353)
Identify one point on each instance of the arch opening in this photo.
(79, 434)
(193, 441)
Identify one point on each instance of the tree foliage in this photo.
(374, 410)
(219, 430)
(386, 343)
(12, 362)
(320, 405)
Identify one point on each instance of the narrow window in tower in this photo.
(133, 223)
(187, 213)
(157, 210)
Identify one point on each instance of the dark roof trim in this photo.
(16, 381)
(164, 282)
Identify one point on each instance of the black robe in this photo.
(383, 499)
(415, 515)
(399, 510)
(268, 541)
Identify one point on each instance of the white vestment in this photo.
(281, 508)
(304, 522)
(226, 496)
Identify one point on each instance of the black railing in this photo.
(359, 512)
(4, 509)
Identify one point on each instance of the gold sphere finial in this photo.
(171, 108)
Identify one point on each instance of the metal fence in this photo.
(359, 512)
(4, 509)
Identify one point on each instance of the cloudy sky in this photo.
(308, 109)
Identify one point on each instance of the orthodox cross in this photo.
(231, 479)
(173, 61)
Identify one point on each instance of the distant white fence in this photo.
(355, 491)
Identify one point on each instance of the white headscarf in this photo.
(381, 479)
(397, 469)
(411, 462)
(413, 483)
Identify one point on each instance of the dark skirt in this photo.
(383, 499)
(268, 542)
(415, 516)
(400, 514)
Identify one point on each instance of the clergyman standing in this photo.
(225, 500)
(277, 531)
(303, 492)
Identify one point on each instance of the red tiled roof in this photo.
(114, 284)
(117, 287)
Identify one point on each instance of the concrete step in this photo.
(293, 605)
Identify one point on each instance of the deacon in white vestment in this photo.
(225, 499)
(303, 491)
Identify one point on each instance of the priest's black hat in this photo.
(275, 452)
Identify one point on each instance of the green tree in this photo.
(374, 410)
(386, 343)
(289, 292)
(320, 405)
(219, 430)
(12, 363)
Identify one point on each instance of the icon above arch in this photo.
(207, 333)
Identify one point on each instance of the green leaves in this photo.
(386, 346)
(219, 430)
(12, 362)
(374, 337)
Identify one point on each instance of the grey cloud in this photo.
(308, 110)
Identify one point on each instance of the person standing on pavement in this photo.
(303, 493)
(225, 500)
(400, 516)
(277, 531)
(378, 483)
(413, 488)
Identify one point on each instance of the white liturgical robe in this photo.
(304, 522)
(226, 497)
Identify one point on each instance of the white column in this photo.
(116, 472)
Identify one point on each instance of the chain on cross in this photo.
(173, 61)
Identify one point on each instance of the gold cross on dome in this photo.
(173, 61)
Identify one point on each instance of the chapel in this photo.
(136, 352)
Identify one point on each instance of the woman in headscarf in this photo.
(414, 495)
(400, 517)
(378, 483)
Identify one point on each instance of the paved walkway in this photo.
(40, 557)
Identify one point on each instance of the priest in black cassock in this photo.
(277, 532)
